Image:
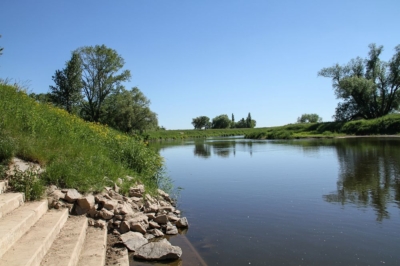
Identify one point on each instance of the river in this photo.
(295, 202)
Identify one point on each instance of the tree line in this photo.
(91, 86)
(222, 121)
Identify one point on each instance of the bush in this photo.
(27, 182)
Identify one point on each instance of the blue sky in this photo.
(208, 57)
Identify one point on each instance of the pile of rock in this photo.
(135, 219)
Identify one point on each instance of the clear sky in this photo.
(204, 57)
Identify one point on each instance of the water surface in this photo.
(298, 202)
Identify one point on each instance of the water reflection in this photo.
(369, 172)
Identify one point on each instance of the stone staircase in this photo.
(31, 234)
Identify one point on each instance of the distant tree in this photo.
(369, 88)
(200, 122)
(241, 123)
(42, 97)
(129, 111)
(309, 118)
(233, 121)
(67, 91)
(221, 121)
(100, 77)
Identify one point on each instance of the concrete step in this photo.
(94, 248)
(9, 202)
(31, 248)
(3, 186)
(18, 222)
(68, 244)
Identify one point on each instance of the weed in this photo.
(27, 182)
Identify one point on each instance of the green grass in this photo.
(389, 124)
(76, 154)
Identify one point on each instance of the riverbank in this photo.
(387, 125)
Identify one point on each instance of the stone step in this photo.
(3, 186)
(94, 248)
(68, 244)
(18, 222)
(31, 248)
(9, 202)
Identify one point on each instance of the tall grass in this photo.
(77, 154)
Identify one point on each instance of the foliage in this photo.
(309, 118)
(100, 78)
(28, 182)
(200, 122)
(78, 154)
(369, 88)
(67, 92)
(129, 111)
(7, 147)
(221, 121)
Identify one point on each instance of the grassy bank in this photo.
(76, 154)
(387, 125)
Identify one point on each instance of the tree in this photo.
(369, 88)
(129, 111)
(200, 122)
(67, 92)
(221, 121)
(100, 77)
(233, 121)
(309, 118)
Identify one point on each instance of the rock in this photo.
(57, 194)
(162, 219)
(117, 224)
(106, 214)
(149, 236)
(124, 227)
(164, 195)
(167, 208)
(115, 195)
(110, 204)
(116, 233)
(172, 217)
(123, 209)
(100, 223)
(90, 222)
(86, 203)
(182, 223)
(172, 230)
(137, 217)
(135, 199)
(137, 227)
(177, 212)
(151, 215)
(161, 250)
(72, 195)
(136, 191)
(150, 208)
(133, 240)
(154, 225)
(93, 213)
(119, 217)
(156, 232)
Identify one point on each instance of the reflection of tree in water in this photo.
(369, 174)
(201, 149)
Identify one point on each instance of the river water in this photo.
(297, 202)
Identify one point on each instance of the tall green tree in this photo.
(233, 121)
(368, 87)
(68, 84)
(200, 122)
(101, 77)
(309, 118)
(221, 121)
(129, 111)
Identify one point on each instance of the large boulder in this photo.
(84, 204)
(182, 223)
(133, 240)
(162, 219)
(161, 250)
(72, 195)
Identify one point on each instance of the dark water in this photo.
(300, 202)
